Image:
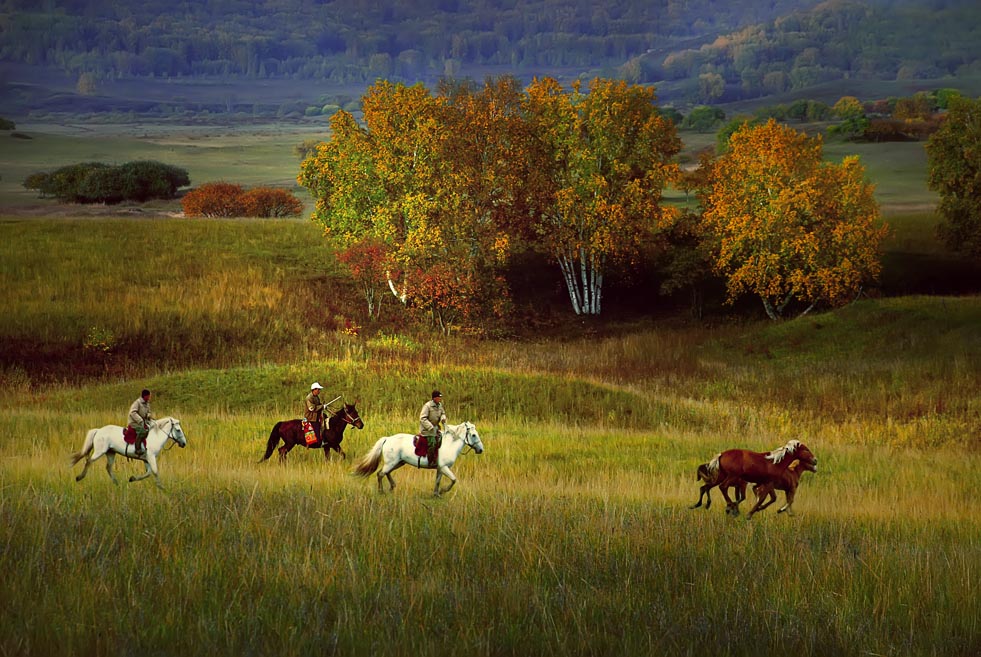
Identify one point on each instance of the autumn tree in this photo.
(786, 225)
(954, 170)
(438, 179)
(366, 261)
(609, 158)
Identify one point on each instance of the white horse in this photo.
(398, 450)
(109, 441)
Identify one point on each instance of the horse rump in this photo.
(274, 438)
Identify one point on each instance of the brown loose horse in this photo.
(787, 482)
(292, 434)
(711, 479)
(757, 467)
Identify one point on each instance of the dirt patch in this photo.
(95, 211)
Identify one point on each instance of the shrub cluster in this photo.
(96, 182)
(222, 199)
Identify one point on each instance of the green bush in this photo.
(96, 182)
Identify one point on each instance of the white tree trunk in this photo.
(404, 295)
(583, 275)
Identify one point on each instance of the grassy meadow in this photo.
(570, 535)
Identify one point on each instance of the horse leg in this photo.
(731, 507)
(110, 462)
(443, 470)
(151, 468)
(387, 472)
(791, 491)
(284, 449)
(762, 491)
(704, 492)
(85, 467)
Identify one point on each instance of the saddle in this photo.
(129, 437)
(424, 446)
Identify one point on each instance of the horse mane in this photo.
(777, 455)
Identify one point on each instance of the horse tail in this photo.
(713, 465)
(369, 462)
(86, 447)
(272, 442)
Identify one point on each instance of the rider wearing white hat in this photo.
(315, 408)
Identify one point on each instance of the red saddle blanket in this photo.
(422, 445)
(309, 434)
(129, 435)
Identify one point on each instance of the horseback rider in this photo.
(430, 419)
(314, 413)
(139, 420)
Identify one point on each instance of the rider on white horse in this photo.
(430, 418)
(139, 420)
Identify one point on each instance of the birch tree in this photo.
(608, 158)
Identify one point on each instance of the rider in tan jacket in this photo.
(139, 419)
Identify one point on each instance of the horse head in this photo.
(349, 414)
(472, 439)
(176, 433)
(807, 459)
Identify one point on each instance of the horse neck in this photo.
(157, 432)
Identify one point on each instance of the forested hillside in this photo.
(719, 50)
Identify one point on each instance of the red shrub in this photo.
(270, 202)
(215, 199)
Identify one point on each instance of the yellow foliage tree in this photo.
(787, 225)
(608, 158)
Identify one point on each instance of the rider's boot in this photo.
(140, 448)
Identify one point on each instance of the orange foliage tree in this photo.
(787, 225)
(608, 158)
(367, 262)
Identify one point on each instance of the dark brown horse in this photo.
(292, 434)
(758, 467)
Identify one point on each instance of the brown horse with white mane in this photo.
(787, 483)
(736, 465)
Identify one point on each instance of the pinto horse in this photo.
(292, 434)
(736, 465)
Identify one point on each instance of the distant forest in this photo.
(722, 50)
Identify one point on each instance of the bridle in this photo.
(346, 417)
(171, 436)
(466, 439)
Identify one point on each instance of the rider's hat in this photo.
(437, 393)
(316, 386)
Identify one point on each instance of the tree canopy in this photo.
(787, 225)
(954, 155)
